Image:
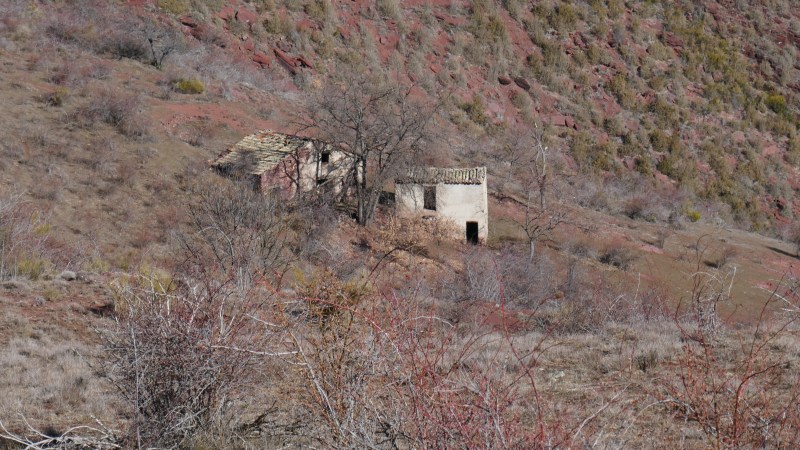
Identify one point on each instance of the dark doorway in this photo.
(429, 198)
(472, 232)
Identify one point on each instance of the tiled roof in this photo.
(260, 152)
(436, 175)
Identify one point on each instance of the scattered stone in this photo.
(559, 120)
(304, 62)
(188, 21)
(523, 83)
(505, 81)
(262, 59)
(68, 275)
(287, 61)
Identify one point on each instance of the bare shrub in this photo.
(636, 208)
(77, 73)
(218, 65)
(413, 234)
(794, 238)
(388, 373)
(735, 384)
(96, 436)
(235, 235)
(115, 107)
(618, 255)
(200, 132)
(181, 357)
(508, 277)
(24, 238)
(588, 303)
(723, 257)
(101, 28)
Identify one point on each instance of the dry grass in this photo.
(51, 377)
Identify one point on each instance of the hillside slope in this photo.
(646, 319)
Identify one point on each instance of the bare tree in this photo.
(377, 122)
(543, 214)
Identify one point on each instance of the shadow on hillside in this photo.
(782, 252)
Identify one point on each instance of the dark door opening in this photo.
(429, 198)
(472, 232)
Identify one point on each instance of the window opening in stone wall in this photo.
(325, 157)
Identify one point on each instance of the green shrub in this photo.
(693, 215)
(602, 157)
(660, 140)
(192, 86)
(792, 155)
(486, 25)
(174, 6)
(321, 10)
(594, 54)
(563, 17)
(279, 23)
(32, 268)
(620, 88)
(666, 114)
(777, 103)
(476, 110)
(389, 8)
(553, 55)
(96, 265)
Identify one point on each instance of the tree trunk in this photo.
(363, 200)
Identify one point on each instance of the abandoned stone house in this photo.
(459, 195)
(277, 162)
(285, 163)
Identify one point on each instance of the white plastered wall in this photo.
(460, 203)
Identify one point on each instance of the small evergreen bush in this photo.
(192, 86)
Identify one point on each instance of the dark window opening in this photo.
(429, 198)
(472, 232)
(386, 198)
(325, 157)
